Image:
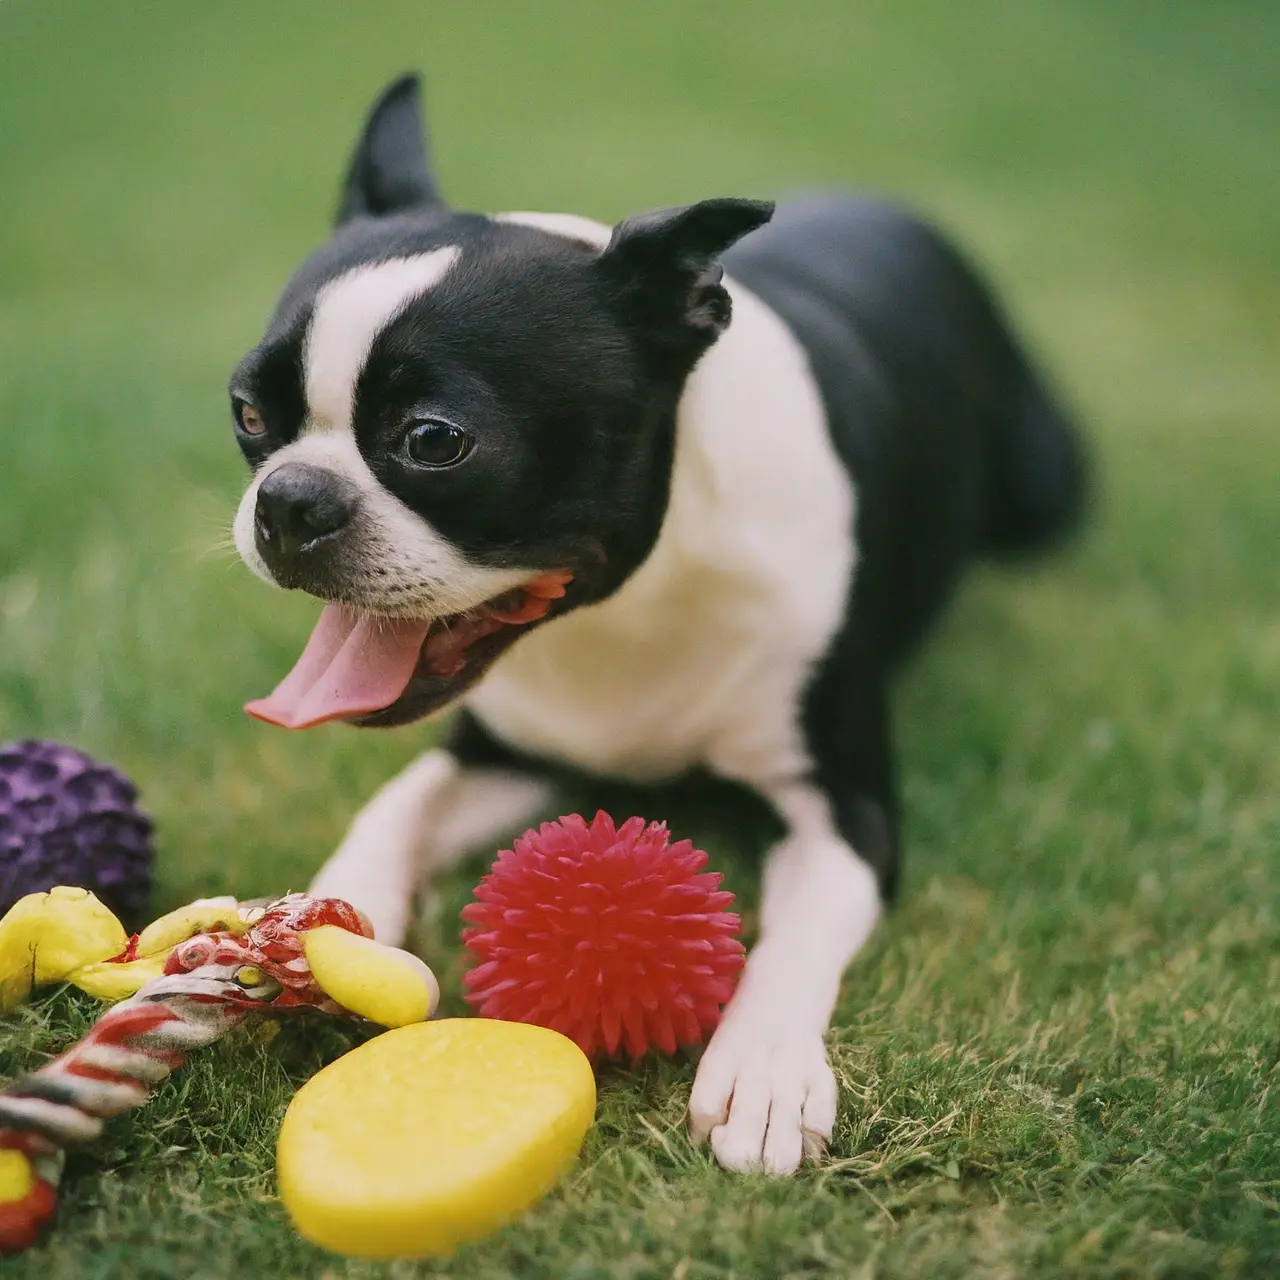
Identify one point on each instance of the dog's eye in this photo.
(248, 417)
(433, 443)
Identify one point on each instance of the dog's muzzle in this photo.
(301, 512)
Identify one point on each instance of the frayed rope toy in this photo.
(183, 982)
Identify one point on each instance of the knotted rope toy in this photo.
(190, 977)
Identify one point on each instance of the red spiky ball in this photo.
(610, 935)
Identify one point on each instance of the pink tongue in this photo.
(354, 663)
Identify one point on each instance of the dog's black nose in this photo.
(298, 505)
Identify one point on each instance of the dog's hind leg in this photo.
(764, 1092)
(450, 802)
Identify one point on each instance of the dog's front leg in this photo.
(764, 1092)
(421, 823)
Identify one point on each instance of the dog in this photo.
(677, 494)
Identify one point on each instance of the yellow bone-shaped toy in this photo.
(191, 976)
(68, 935)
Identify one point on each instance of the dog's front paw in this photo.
(765, 1096)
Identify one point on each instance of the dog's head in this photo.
(462, 426)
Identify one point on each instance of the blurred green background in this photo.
(1057, 1056)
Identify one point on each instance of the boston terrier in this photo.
(678, 494)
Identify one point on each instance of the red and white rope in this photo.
(210, 984)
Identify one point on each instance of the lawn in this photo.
(1057, 1058)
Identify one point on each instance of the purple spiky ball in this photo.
(65, 818)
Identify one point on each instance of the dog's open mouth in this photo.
(376, 671)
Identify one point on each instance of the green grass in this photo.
(1058, 1056)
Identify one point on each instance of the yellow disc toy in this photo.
(432, 1135)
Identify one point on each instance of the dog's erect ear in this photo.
(390, 170)
(664, 269)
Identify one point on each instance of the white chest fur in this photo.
(702, 656)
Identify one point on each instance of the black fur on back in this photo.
(955, 445)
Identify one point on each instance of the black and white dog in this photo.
(530, 465)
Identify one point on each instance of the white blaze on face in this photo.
(412, 569)
(349, 314)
